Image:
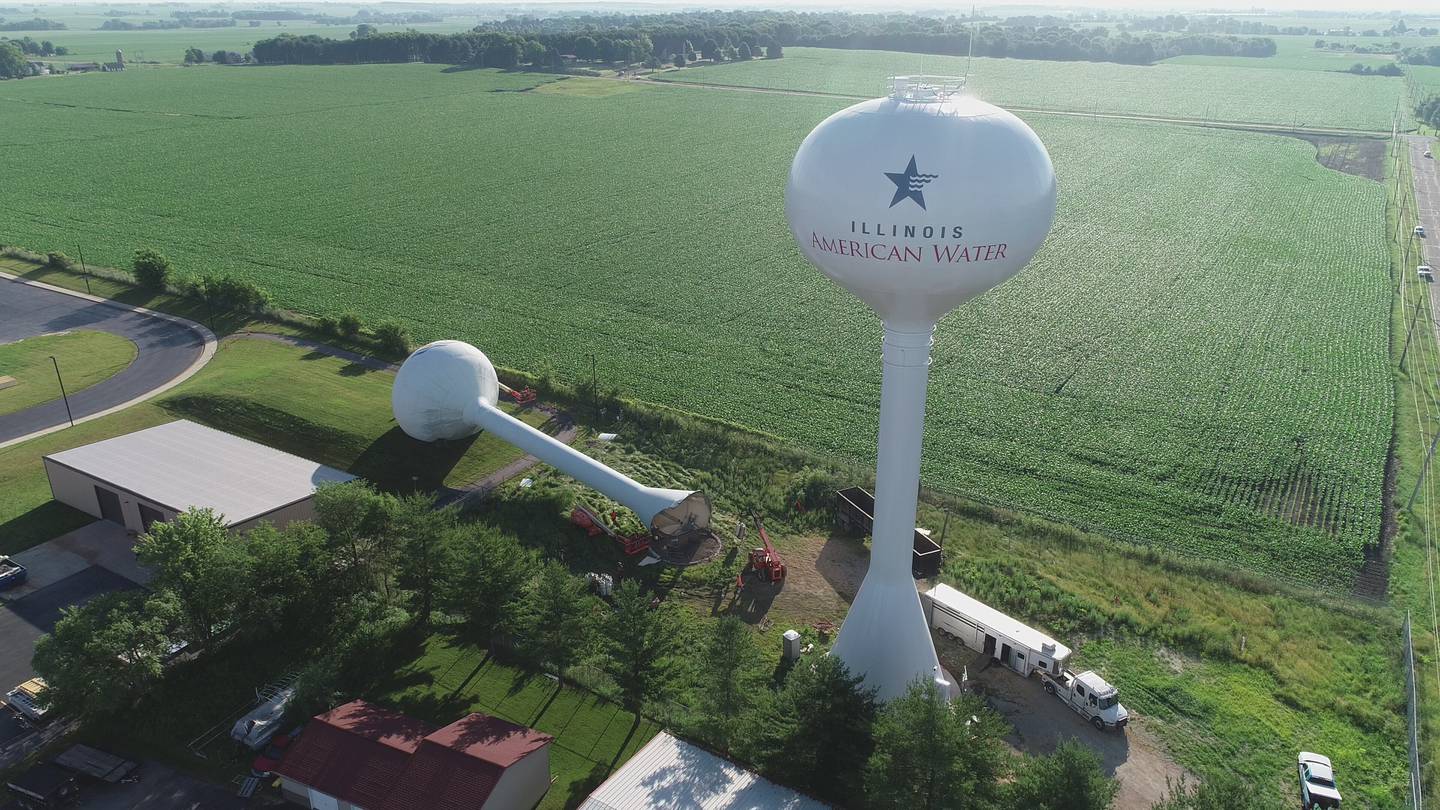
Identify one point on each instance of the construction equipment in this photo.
(631, 544)
(765, 562)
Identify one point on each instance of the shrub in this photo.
(228, 292)
(327, 325)
(57, 260)
(392, 338)
(152, 269)
(348, 325)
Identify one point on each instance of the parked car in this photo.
(1420, 231)
(1317, 782)
(12, 573)
(1425, 272)
(25, 699)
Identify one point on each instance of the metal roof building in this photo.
(671, 774)
(156, 473)
(361, 755)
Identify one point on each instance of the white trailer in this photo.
(988, 631)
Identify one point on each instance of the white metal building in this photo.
(988, 631)
(155, 474)
(671, 774)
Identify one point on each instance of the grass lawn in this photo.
(592, 735)
(313, 405)
(85, 358)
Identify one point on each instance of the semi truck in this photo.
(1090, 696)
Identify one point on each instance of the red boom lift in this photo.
(765, 562)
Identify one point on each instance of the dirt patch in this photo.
(1039, 723)
(1362, 157)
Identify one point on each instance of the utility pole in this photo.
(1415, 316)
(63, 395)
(85, 271)
(594, 392)
(1423, 469)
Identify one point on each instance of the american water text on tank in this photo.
(934, 253)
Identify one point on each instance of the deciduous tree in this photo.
(103, 655)
(196, 558)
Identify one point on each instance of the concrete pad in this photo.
(101, 543)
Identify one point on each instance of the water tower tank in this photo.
(916, 203)
(921, 200)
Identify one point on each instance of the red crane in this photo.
(765, 562)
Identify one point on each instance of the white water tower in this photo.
(916, 203)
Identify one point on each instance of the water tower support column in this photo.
(885, 636)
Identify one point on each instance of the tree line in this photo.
(1421, 56)
(1428, 111)
(44, 47)
(1017, 37)
(34, 24)
(722, 36)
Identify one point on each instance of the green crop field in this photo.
(1250, 95)
(1196, 360)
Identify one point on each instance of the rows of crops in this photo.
(1208, 317)
(1253, 95)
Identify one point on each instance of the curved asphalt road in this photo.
(167, 348)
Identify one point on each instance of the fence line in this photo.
(1417, 793)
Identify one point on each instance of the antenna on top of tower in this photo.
(970, 57)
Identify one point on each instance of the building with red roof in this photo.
(360, 756)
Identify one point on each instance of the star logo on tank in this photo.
(910, 184)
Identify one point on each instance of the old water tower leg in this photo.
(885, 636)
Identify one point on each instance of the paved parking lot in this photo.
(159, 788)
(25, 620)
(69, 570)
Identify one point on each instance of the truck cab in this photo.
(1090, 696)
